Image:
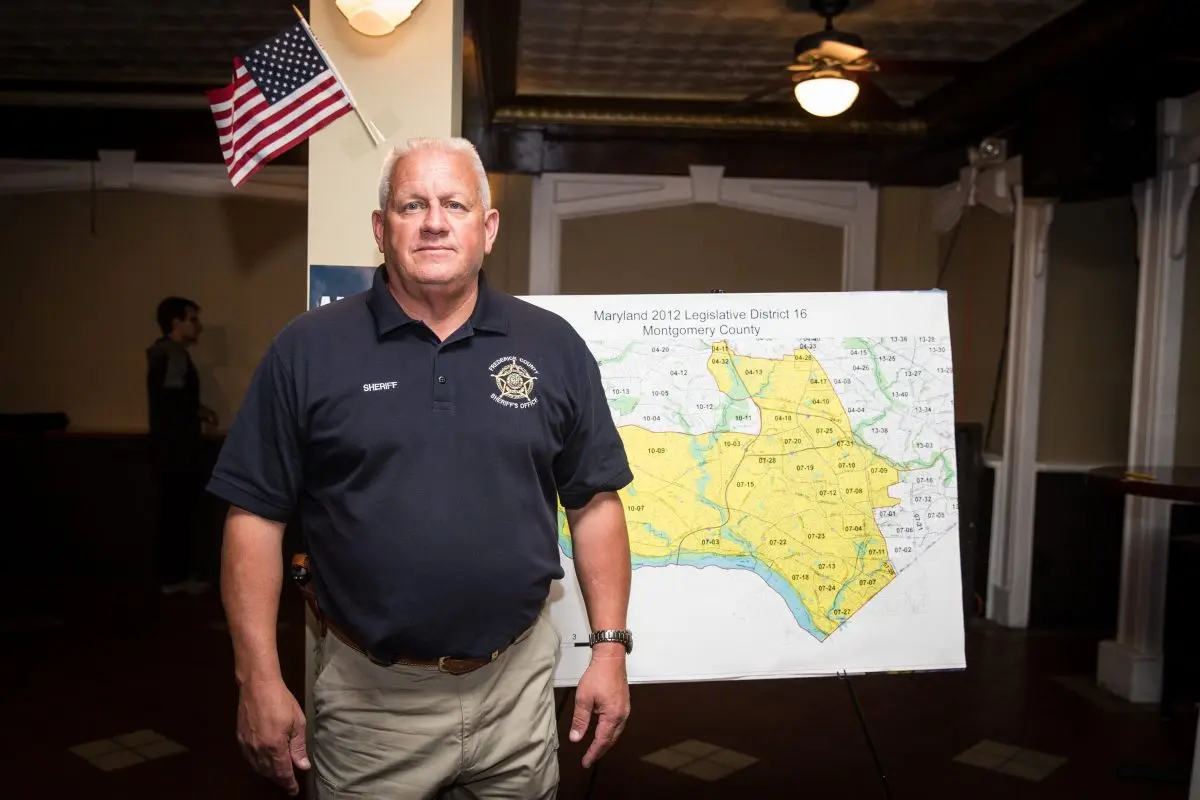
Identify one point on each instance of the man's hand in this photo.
(209, 417)
(271, 732)
(600, 544)
(603, 689)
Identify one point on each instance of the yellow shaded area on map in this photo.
(794, 503)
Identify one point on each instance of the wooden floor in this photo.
(157, 671)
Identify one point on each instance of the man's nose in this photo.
(435, 219)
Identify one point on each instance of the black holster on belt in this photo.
(302, 576)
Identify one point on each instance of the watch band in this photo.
(624, 637)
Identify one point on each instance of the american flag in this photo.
(283, 91)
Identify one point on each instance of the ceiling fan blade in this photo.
(774, 87)
(862, 65)
(846, 53)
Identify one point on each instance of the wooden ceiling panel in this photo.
(724, 50)
(132, 41)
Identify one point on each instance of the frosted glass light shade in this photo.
(826, 96)
(376, 17)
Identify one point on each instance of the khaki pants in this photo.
(404, 732)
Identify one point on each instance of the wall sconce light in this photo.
(376, 17)
(827, 93)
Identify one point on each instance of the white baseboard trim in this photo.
(1129, 673)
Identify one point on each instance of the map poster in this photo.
(328, 284)
(794, 506)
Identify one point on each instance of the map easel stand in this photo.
(862, 721)
(569, 695)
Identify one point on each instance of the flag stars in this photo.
(282, 65)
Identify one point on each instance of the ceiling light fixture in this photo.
(376, 17)
(827, 93)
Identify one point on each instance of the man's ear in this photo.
(377, 228)
(491, 227)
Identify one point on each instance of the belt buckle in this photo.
(444, 666)
(468, 664)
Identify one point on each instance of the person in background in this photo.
(425, 431)
(177, 420)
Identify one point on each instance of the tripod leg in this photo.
(862, 721)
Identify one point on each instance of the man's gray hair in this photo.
(449, 144)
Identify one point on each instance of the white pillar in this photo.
(408, 84)
(1010, 561)
(1131, 665)
(1194, 791)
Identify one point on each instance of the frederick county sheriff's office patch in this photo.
(515, 378)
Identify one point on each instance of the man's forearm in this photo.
(600, 544)
(251, 578)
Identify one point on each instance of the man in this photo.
(177, 442)
(425, 431)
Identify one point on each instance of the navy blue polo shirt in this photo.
(426, 475)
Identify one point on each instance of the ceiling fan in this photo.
(821, 62)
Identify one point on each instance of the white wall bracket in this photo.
(988, 186)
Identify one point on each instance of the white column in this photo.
(1131, 665)
(408, 84)
(1010, 562)
(997, 186)
(1194, 791)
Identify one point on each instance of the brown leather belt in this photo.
(447, 664)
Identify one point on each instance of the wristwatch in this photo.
(621, 637)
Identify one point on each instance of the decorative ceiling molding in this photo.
(517, 114)
(119, 169)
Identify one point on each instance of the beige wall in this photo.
(82, 299)
(1187, 431)
(85, 272)
(508, 265)
(1091, 312)
(970, 263)
(696, 249)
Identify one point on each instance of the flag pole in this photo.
(374, 133)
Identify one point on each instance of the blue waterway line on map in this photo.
(773, 579)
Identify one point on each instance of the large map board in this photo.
(794, 505)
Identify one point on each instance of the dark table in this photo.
(1180, 485)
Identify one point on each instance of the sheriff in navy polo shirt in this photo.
(426, 475)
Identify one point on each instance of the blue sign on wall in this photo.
(327, 284)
